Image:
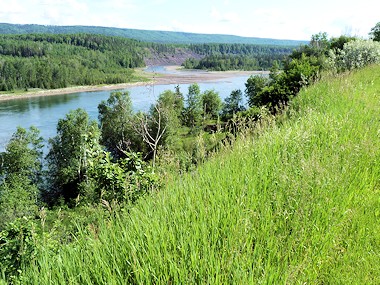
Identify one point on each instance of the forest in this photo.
(222, 57)
(99, 175)
(58, 61)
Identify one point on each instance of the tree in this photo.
(320, 41)
(192, 115)
(23, 155)
(254, 86)
(375, 32)
(67, 158)
(116, 119)
(20, 172)
(152, 128)
(233, 104)
(170, 105)
(211, 103)
(337, 44)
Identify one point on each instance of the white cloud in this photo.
(224, 17)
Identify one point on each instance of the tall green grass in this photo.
(297, 201)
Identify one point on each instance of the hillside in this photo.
(144, 35)
(294, 201)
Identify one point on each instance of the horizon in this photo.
(109, 27)
(274, 19)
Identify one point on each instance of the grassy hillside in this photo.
(294, 202)
(144, 35)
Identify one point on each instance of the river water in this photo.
(45, 111)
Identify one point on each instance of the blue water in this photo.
(44, 112)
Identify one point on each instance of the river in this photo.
(45, 111)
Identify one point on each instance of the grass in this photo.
(295, 201)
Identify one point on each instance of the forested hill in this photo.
(145, 35)
(51, 61)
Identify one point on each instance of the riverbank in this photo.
(176, 76)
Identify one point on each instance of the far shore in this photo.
(157, 79)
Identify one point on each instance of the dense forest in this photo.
(57, 61)
(65, 206)
(144, 35)
(222, 57)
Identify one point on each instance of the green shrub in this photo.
(17, 247)
(355, 54)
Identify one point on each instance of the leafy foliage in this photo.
(20, 172)
(375, 32)
(68, 156)
(233, 103)
(17, 247)
(192, 114)
(123, 181)
(355, 54)
(116, 119)
(211, 103)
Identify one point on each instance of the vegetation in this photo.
(221, 57)
(375, 32)
(305, 65)
(144, 35)
(57, 61)
(294, 202)
(286, 199)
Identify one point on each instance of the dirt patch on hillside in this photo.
(176, 57)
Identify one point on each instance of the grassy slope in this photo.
(145, 35)
(297, 204)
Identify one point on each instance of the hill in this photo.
(144, 35)
(295, 201)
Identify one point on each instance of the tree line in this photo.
(57, 61)
(222, 57)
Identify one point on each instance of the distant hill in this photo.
(145, 35)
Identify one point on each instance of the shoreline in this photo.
(187, 77)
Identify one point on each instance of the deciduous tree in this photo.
(67, 158)
(116, 119)
(211, 103)
(20, 172)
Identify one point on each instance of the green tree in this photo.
(211, 104)
(171, 105)
(68, 155)
(20, 172)
(254, 86)
(375, 32)
(192, 114)
(233, 104)
(116, 119)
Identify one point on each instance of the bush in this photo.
(355, 54)
(17, 247)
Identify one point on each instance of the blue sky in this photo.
(286, 19)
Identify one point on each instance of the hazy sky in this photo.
(281, 19)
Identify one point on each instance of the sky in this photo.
(278, 19)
